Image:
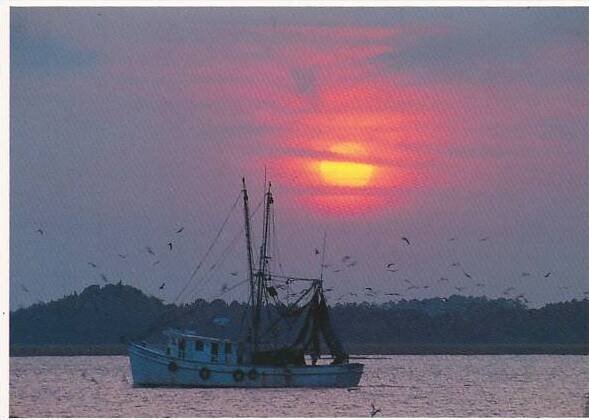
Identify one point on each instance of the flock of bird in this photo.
(393, 267)
(123, 256)
(347, 262)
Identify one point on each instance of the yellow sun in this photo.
(345, 174)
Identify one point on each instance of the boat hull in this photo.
(151, 367)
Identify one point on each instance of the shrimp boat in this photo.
(280, 346)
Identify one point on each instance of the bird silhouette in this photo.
(162, 286)
(92, 264)
(170, 245)
(156, 262)
(345, 258)
(486, 238)
(123, 256)
(455, 264)
(316, 251)
(451, 239)
(234, 273)
(373, 410)
(467, 275)
(149, 250)
(368, 288)
(41, 231)
(547, 275)
(104, 278)
(180, 230)
(406, 240)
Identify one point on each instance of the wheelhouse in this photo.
(201, 349)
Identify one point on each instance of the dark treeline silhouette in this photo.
(112, 315)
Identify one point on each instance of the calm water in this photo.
(424, 386)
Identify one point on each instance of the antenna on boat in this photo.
(323, 258)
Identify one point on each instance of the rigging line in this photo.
(210, 248)
(220, 260)
(236, 285)
(293, 278)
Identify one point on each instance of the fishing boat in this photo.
(280, 346)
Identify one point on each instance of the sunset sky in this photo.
(465, 130)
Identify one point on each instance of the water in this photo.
(401, 386)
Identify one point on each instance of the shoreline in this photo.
(359, 349)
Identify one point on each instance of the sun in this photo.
(345, 174)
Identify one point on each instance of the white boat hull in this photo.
(151, 367)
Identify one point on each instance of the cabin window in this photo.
(199, 345)
(228, 348)
(214, 351)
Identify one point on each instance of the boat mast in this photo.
(250, 262)
(261, 274)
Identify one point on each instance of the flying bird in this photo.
(547, 275)
(455, 264)
(467, 275)
(170, 245)
(92, 264)
(104, 278)
(345, 258)
(451, 239)
(316, 251)
(373, 410)
(234, 273)
(41, 231)
(156, 262)
(149, 250)
(486, 238)
(368, 288)
(180, 230)
(162, 286)
(406, 240)
(123, 256)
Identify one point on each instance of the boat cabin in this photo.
(186, 345)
